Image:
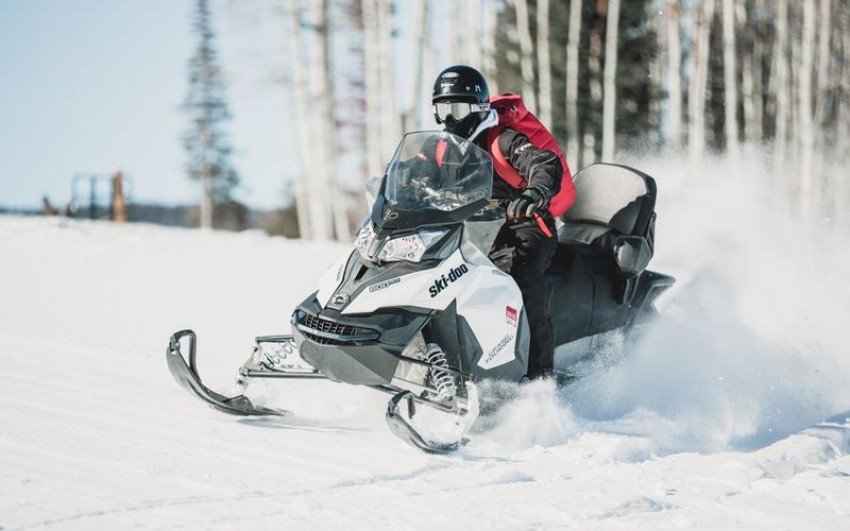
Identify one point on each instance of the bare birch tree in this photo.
(489, 44)
(472, 31)
(572, 68)
(390, 117)
(449, 49)
(730, 75)
(841, 184)
(703, 15)
(823, 71)
(322, 171)
(674, 75)
(594, 70)
(526, 59)
(609, 108)
(544, 63)
(372, 86)
(339, 207)
(779, 83)
(421, 24)
(748, 96)
(298, 83)
(809, 202)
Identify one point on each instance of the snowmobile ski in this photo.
(403, 430)
(186, 375)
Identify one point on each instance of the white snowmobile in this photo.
(418, 310)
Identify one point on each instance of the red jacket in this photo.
(521, 167)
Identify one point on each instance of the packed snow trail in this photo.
(709, 423)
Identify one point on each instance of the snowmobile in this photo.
(417, 309)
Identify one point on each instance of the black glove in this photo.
(531, 201)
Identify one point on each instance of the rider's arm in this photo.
(537, 166)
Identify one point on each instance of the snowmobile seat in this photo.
(612, 224)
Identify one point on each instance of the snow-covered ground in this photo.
(715, 421)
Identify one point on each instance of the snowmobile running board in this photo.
(186, 375)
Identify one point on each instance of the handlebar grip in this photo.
(542, 224)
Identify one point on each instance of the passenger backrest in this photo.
(614, 212)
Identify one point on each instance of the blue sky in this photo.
(94, 86)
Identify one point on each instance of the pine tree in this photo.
(206, 143)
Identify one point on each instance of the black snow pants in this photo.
(524, 252)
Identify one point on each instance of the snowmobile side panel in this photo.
(186, 375)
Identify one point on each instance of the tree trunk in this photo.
(473, 33)
(339, 210)
(372, 87)
(730, 75)
(321, 168)
(759, 80)
(298, 83)
(842, 145)
(825, 76)
(429, 69)
(544, 63)
(206, 199)
(609, 104)
(491, 20)
(809, 201)
(748, 66)
(655, 86)
(823, 72)
(420, 37)
(526, 51)
(779, 84)
(704, 13)
(572, 69)
(674, 76)
(390, 118)
(594, 70)
(448, 49)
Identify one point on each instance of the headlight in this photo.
(411, 248)
(365, 241)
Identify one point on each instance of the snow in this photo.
(734, 411)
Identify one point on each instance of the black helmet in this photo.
(461, 84)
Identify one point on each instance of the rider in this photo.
(530, 172)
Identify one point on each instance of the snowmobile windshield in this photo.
(437, 171)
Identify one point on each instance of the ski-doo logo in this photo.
(443, 282)
(500, 346)
(385, 284)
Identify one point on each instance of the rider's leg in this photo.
(532, 252)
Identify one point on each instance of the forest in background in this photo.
(689, 78)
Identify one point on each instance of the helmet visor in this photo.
(457, 109)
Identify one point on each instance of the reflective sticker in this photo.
(511, 315)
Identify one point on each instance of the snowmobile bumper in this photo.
(362, 351)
